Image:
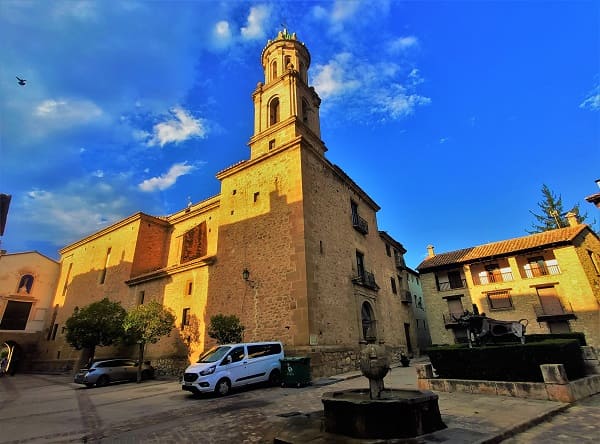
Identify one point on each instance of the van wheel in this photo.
(223, 387)
(275, 378)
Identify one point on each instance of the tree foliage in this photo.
(97, 324)
(552, 215)
(147, 323)
(225, 329)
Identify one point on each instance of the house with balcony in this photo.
(552, 279)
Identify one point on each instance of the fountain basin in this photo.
(396, 414)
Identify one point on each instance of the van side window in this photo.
(237, 354)
(257, 351)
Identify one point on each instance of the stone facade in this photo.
(302, 232)
(551, 279)
(27, 286)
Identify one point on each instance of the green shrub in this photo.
(512, 362)
(579, 336)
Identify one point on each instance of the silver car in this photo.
(104, 372)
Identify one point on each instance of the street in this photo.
(52, 409)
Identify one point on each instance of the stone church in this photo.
(291, 246)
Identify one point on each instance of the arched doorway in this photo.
(369, 323)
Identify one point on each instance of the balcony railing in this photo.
(557, 313)
(360, 224)
(366, 279)
(405, 297)
(536, 270)
(445, 286)
(492, 278)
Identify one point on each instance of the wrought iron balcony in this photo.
(445, 286)
(366, 279)
(360, 224)
(405, 297)
(557, 313)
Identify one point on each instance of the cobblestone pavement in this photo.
(51, 409)
(579, 423)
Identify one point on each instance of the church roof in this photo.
(510, 246)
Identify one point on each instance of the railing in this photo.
(491, 278)
(444, 286)
(556, 313)
(360, 224)
(536, 270)
(366, 279)
(405, 296)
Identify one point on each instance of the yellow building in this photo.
(290, 246)
(27, 286)
(552, 279)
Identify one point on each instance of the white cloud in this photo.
(593, 101)
(256, 22)
(182, 128)
(168, 179)
(344, 10)
(69, 213)
(334, 78)
(98, 173)
(222, 30)
(67, 111)
(380, 90)
(403, 43)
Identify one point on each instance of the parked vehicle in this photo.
(101, 373)
(234, 365)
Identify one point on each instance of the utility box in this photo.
(295, 371)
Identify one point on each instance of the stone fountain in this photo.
(379, 412)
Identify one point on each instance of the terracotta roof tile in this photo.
(561, 235)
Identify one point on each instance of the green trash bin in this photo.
(295, 371)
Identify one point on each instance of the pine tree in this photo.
(553, 216)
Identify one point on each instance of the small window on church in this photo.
(288, 62)
(271, 144)
(274, 111)
(274, 70)
(25, 284)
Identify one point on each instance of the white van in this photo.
(233, 365)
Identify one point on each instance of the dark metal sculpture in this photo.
(480, 328)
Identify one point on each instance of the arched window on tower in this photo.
(305, 110)
(25, 284)
(288, 62)
(274, 70)
(274, 111)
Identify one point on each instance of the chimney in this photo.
(430, 252)
(572, 219)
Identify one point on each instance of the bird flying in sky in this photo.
(21, 81)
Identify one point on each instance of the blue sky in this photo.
(450, 115)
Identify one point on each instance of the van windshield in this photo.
(214, 354)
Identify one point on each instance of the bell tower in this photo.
(286, 109)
